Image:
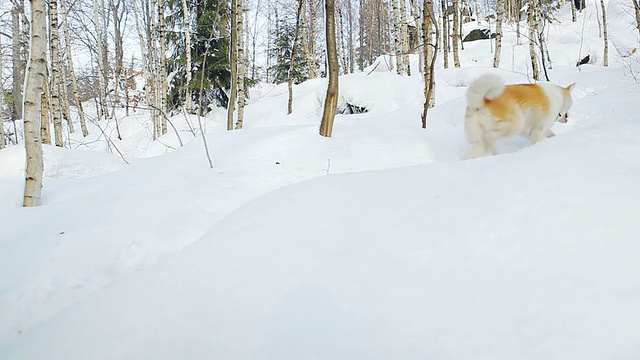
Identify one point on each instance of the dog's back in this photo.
(495, 110)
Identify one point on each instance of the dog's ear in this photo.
(570, 87)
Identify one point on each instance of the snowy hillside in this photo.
(381, 242)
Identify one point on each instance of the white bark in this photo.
(606, 37)
(187, 45)
(72, 74)
(496, 55)
(56, 78)
(35, 80)
(101, 78)
(404, 36)
(242, 68)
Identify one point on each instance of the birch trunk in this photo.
(100, 66)
(242, 68)
(604, 32)
(313, 71)
(164, 88)
(36, 75)
(404, 30)
(331, 101)
(187, 45)
(496, 55)
(2, 134)
(56, 79)
(532, 50)
(233, 61)
(304, 38)
(45, 113)
(17, 61)
(352, 52)
(72, 74)
(430, 50)
(456, 33)
(573, 10)
(396, 38)
(445, 34)
(293, 56)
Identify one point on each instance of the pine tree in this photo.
(208, 38)
(284, 35)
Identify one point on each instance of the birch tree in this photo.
(456, 33)
(34, 88)
(293, 55)
(242, 68)
(445, 34)
(396, 38)
(56, 78)
(496, 55)
(331, 100)
(102, 107)
(163, 87)
(531, 10)
(404, 34)
(187, 46)
(72, 74)
(233, 61)
(2, 134)
(18, 64)
(313, 70)
(604, 32)
(430, 49)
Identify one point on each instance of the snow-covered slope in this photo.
(376, 243)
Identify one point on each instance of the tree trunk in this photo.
(456, 33)
(2, 134)
(36, 75)
(17, 61)
(293, 56)
(45, 113)
(164, 88)
(430, 50)
(445, 34)
(233, 61)
(606, 37)
(636, 6)
(532, 50)
(100, 62)
(573, 10)
(187, 46)
(72, 74)
(352, 52)
(396, 38)
(56, 78)
(241, 64)
(404, 32)
(313, 71)
(331, 101)
(496, 55)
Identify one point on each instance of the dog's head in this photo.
(567, 101)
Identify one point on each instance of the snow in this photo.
(380, 242)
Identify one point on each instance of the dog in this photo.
(495, 110)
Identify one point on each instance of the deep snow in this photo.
(377, 243)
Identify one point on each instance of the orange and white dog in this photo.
(495, 111)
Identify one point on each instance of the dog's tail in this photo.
(487, 86)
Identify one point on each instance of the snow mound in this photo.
(528, 260)
(61, 163)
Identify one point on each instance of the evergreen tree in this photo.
(283, 36)
(210, 45)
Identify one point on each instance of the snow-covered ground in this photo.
(378, 243)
